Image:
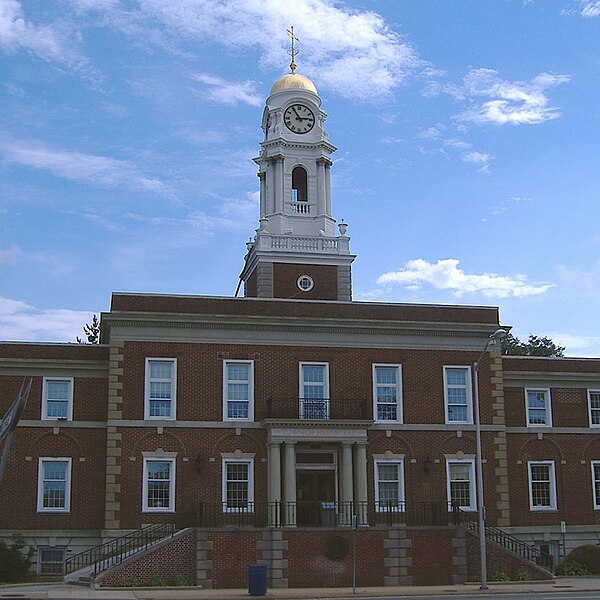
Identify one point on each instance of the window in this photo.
(457, 384)
(389, 485)
(159, 484)
(538, 407)
(594, 407)
(314, 391)
(238, 492)
(54, 485)
(238, 390)
(51, 560)
(542, 486)
(299, 185)
(161, 384)
(57, 398)
(596, 483)
(461, 483)
(387, 392)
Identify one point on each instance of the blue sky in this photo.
(467, 163)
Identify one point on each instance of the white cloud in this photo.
(515, 103)
(577, 345)
(10, 253)
(590, 9)
(446, 275)
(582, 280)
(226, 92)
(349, 51)
(91, 169)
(479, 158)
(24, 322)
(52, 43)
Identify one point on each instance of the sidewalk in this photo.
(75, 592)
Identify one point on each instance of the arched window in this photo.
(299, 185)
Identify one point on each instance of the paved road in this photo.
(560, 589)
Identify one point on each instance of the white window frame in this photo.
(325, 396)
(173, 380)
(592, 410)
(226, 400)
(596, 480)
(469, 394)
(236, 459)
(548, 406)
(472, 482)
(166, 458)
(399, 462)
(551, 482)
(40, 486)
(399, 413)
(45, 387)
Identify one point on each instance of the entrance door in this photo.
(316, 498)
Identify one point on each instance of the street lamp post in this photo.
(498, 334)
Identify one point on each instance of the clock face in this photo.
(299, 118)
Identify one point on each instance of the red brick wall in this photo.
(431, 552)
(325, 278)
(309, 566)
(286, 308)
(18, 492)
(232, 553)
(170, 559)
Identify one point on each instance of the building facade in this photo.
(295, 408)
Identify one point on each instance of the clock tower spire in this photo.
(296, 252)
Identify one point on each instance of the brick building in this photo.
(267, 422)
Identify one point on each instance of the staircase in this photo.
(86, 566)
(512, 544)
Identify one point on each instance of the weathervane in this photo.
(293, 53)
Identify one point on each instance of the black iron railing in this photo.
(317, 409)
(317, 514)
(116, 551)
(507, 541)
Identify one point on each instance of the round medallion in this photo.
(305, 283)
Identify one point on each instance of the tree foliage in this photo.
(534, 346)
(14, 563)
(92, 331)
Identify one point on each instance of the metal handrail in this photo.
(316, 409)
(507, 541)
(115, 551)
(317, 514)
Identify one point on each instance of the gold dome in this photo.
(294, 81)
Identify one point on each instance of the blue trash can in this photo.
(257, 580)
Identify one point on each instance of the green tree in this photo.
(92, 331)
(14, 564)
(534, 346)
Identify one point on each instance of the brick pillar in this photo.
(500, 452)
(271, 548)
(112, 504)
(397, 560)
(459, 557)
(204, 564)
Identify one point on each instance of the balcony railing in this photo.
(317, 409)
(318, 514)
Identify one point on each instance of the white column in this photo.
(289, 480)
(321, 192)
(279, 184)
(360, 474)
(274, 483)
(263, 194)
(328, 189)
(270, 188)
(347, 483)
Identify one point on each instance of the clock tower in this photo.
(296, 252)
